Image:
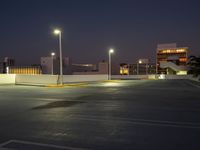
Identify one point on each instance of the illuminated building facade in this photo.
(170, 53)
(124, 69)
(137, 69)
(33, 70)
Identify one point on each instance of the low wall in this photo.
(84, 78)
(132, 77)
(36, 79)
(170, 77)
(7, 78)
(54, 79)
(178, 77)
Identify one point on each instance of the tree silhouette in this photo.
(194, 64)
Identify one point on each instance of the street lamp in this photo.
(139, 62)
(110, 69)
(52, 55)
(58, 32)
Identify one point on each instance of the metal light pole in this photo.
(139, 62)
(110, 69)
(146, 68)
(52, 55)
(58, 32)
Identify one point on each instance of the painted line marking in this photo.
(5, 149)
(194, 85)
(39, 144)
(140, 121)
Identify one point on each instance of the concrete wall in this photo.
(178, 77)
(84, 78)
(170, 77)
(54, 79)
(131, 77)
(7, 78)
(36, 79)
(85, 73)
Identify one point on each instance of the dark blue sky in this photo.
(90, 27)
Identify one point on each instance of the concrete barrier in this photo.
(55, 79)
(7, 78)
(178, 77)
(84, 78)
(168, 77)
(132, 77)
(36, 79)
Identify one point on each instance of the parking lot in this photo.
(117, 115)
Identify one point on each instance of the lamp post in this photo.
(147, 68)
(52, 55)
(139, 62)
(58, 32)
(110, 69)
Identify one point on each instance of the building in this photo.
(9, 61)
(103, 67)
(2, 67)
(84, 67)
(33, 70)
(51, 65)
(171, 59)
(90, 69)
(141, 67)
(5, 63)
(124, 69)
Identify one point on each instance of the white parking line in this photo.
(139, 121)
(5, 149)
(194, 85)
(38, 144)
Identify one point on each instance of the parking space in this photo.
(139, 114)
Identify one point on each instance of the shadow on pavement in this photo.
(58, 104)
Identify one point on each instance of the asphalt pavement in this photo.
(117, 115)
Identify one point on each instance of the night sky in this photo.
(90, 27)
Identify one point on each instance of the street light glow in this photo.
(52, 54)
(111, 51)
(56, 31)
